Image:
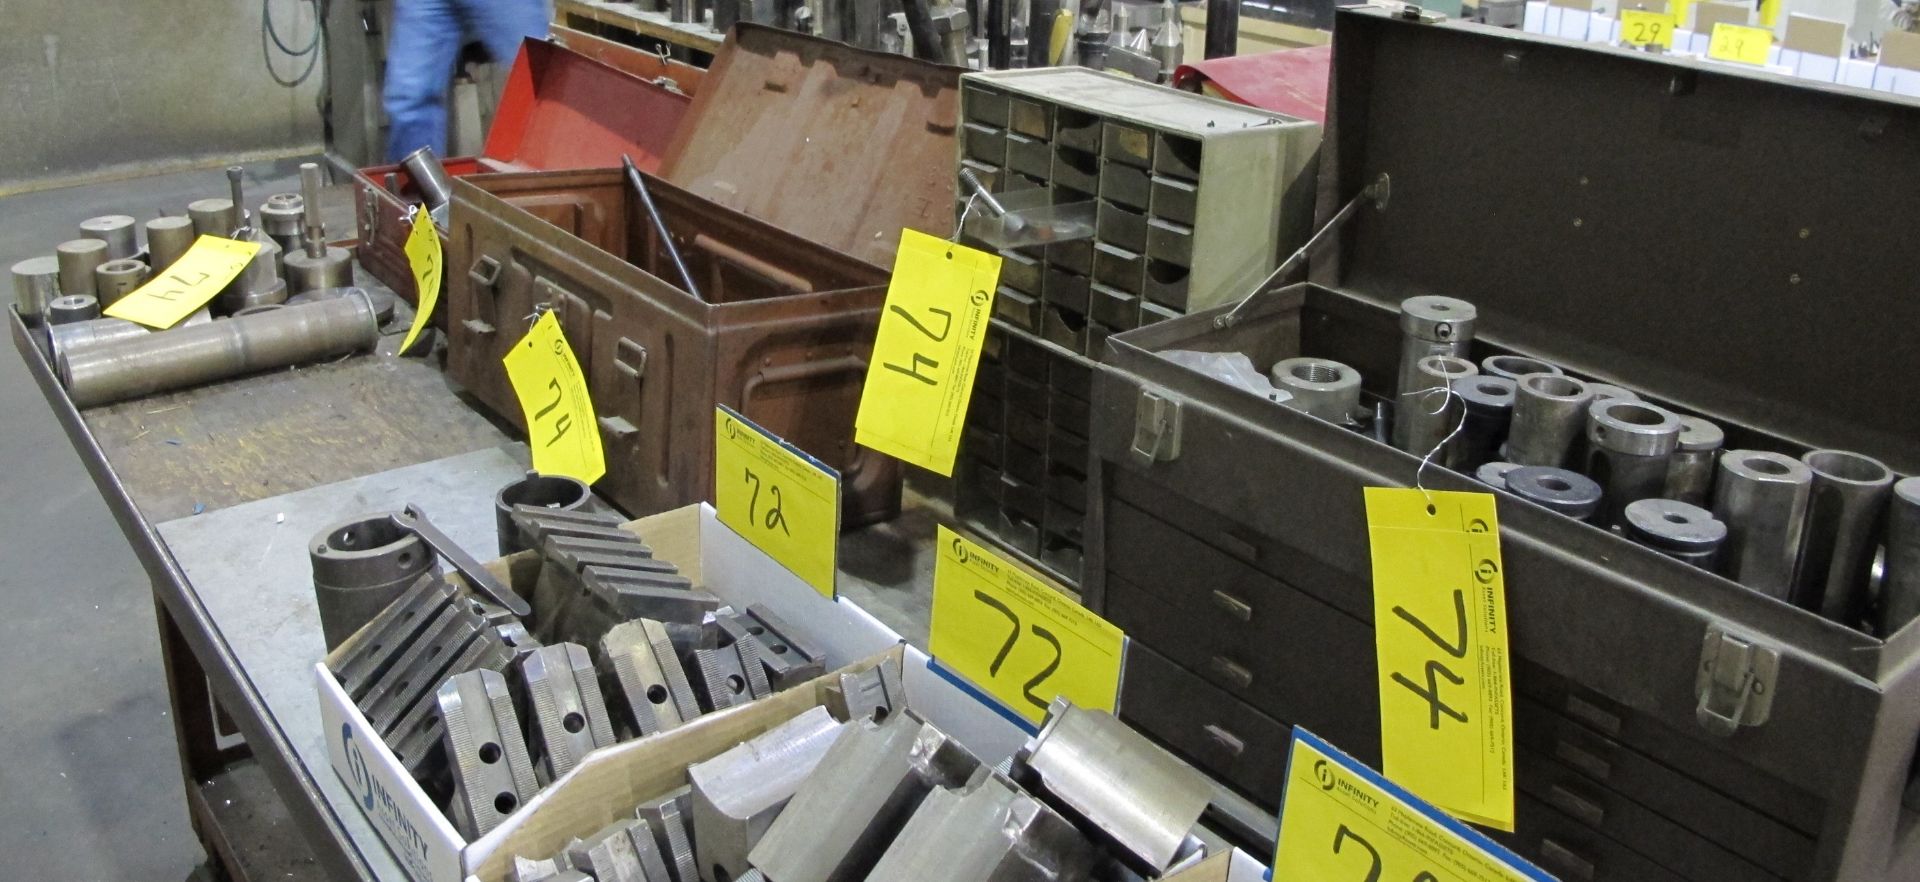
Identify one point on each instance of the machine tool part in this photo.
(737, 795)
(1762, 498)
(186, 356)
(117, 230)
(1567, 492)
(116, 279)
(647, 848)
(422, 665)
(639, 183)
(608, 855)
(1690, 472)
(281, 217)
(719, 679)
(1846, 511)
(36, 282)
(1900, 590)
(1325, 389)
(1629, 447)
(1431, 325)
(850, 809)
(418, 740)
(569, 719)
(382, 298)
(1167, 45)
(529, 870)
(538, 491)
(72, 308)
(1677, 529)
(1489, 413)
(536, 523)
(214, 217)
(1494, 474)
(492, 774)
(167, 239)
(476, 576)
(237, 194)
(316, 265)
(1604, 391)
(1549, 415)
(790, 658)
(988, 830)
(872, 694)
(432, 180)
(1127, 790)
(987, 199)
(754, 667)
(78, 336)
(1513, 367)
(360, 566)
(668, 817)
(1423, 419)
(665, 598)
(650, 690)
(78, 258)
(259, 284)
(370, 652)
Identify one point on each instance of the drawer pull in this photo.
(1582, 809)
(1233, 606)
(1564, 862)
(1233, 673)
(1586, 762)
(1593, 715)
(1225, 740)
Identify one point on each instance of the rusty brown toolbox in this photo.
(782, 335)
(561, 109)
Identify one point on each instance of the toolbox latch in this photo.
(1736, 681)
(1156, 428)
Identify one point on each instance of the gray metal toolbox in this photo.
(1728, 243)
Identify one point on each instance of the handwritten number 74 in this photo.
(1437, 670)
(921, 360)
(561, 423)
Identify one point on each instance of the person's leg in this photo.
(426, 39)
(500, 25)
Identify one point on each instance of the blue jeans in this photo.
(426, 41)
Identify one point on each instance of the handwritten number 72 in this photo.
(1013, 636)
(1345, 834)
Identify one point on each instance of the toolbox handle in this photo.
(1564, 862)
(1225, 740)
(1228, 670)
(1582, 809)
(1234, 606)
(485, 271)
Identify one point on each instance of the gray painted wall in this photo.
(105, 88)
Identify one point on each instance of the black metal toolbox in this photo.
(1728, 243)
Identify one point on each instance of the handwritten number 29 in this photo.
(1013, 636)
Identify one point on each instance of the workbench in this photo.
(220, 488)
(624, 20)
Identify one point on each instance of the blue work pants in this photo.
(425, 44)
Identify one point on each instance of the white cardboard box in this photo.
(721, 562)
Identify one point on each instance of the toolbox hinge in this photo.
(1736, 681)
(1156, 428)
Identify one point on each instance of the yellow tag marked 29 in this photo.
(931, 329)
(1440, 633)
(1732, 42)
(552, 389)
(1021, 641)
(782, 500)
(190, 283)
(1639, 27)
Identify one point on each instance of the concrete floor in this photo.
(91, 777)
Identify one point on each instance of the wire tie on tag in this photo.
(964, 211)
(1419, 473)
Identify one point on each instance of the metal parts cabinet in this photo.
(1669, 723)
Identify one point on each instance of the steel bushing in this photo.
(117, 230)
(1900, 592)
(36, 282)
(1549, 415)
(1431, 325)
(429, 177)
(1762, 498)
(78, 258)
(1604, 391)
(1846, 511)
(280, 218)
(1560, 490)
(72, 308)
(360, 566)
(1513, 367)
(167, 239)
(64, 340)
(1494, 474)
(1489, 411)
(118, 278)
(1629, 446)
(1326, 389)
(1425, 417)
(259, 283)
(1677, 529)
(1690, 472)
(214, 217)
(547, 491)
(381, 298)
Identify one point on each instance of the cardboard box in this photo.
(612, 780)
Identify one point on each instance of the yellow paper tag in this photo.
(561, 428)
(927, 349)
(1732, 42)
(1679, 9)
(1440, 629)
(1639, 27)
(193, 280)
(1769, 13)
(782, 500)
(1015, 637)
(423, 256)
(1340, 820)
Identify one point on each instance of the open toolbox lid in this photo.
(1736, 242)
(563, 110)
(841, 145)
